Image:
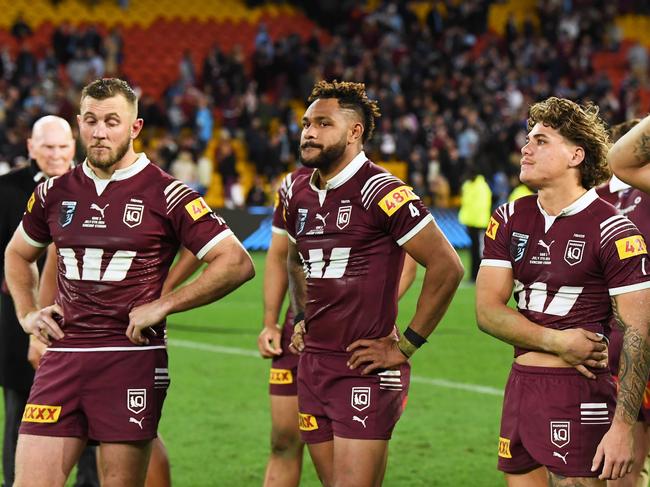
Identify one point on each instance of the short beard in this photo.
(328, 156)
(120, 152)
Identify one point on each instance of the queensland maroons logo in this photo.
(343, 217)
(560, 433)
(360, 398)
(136, 400)
(574, 251)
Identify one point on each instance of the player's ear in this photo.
(578, 156)
(136, 127)
(356, 132)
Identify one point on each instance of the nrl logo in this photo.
(132, 214)
(66, 212)
(518, 244)
(360, 398)
(302, 219)
(136, 400)
(343, 218)
(560, 433)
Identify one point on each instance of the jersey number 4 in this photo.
(91, 265)
(317, 268)
(537, 295)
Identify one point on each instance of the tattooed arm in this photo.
(298, 295)
(616, 448)
(629, 158)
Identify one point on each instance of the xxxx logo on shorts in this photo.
(504, 448)
(281, 376)
(37, 413)
(307, 422)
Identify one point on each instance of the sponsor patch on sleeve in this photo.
(492, 228)
(397, 198)
(30, 203)
(38, 413)
(197, 208)
(280, 376)
(307, 422)
(504, 448)
(630, 246)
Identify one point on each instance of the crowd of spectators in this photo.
(454, 98)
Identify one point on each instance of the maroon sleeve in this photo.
(197, 227)
(34, 223)
(496, 250)
(624, 255)
(398, 209)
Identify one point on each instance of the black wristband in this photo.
(298, 318)
(416, 339)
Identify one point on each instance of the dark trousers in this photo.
(476, 250)
(14, 406)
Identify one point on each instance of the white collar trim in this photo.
(120, 174)
(344, 176)
(616, 185)
(576, 207)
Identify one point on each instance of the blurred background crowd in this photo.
(223, 83)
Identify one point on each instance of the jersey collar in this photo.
(616, 185)
(576, 207)
(120, 174)
(344, 176)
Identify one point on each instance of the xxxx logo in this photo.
(307, 422)
(504, 448)
(281, 376)
(35, 413)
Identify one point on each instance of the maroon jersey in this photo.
(635, 204)
(116, 240)
(349, 236)
(629, 201)
(566, 267)
(279, 225)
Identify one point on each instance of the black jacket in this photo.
(15, 371)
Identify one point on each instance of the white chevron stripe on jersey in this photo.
(171, 186)
(369, 191)
(372, 179)
(178, 198)
(614, 226)
(506, 210)
(174, 192)
(290, 190)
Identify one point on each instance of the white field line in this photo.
(447, 384)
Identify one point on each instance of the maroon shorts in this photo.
(615, 346)
(334, 400)
(284, 369)
(110, 396)
(554, 417)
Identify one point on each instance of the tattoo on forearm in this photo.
(642, 148)
(632, 373)
(297, 286)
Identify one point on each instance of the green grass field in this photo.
(216, 420)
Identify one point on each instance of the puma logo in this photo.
(547, 247)
(321, 217)
(556, 454)
(139, 423)
(362, 421)
(100, 210)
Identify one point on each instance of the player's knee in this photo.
(285, 443)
